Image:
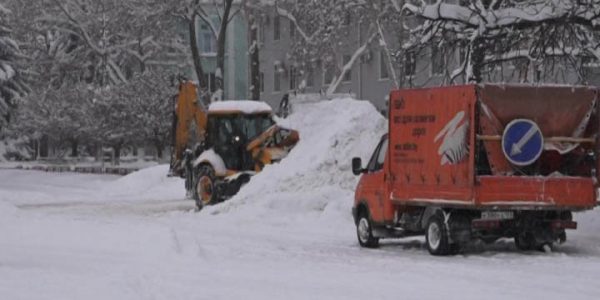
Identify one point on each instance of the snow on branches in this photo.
(488, 33)
(11, 83)
(335, 34)
(96, 68)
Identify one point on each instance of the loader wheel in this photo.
(364, 232)
(436, 237)
(205, 192)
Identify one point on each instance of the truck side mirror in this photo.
(357, 166)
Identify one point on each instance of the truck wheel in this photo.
(364, 231)
(205, 192)
(525, 242)
(436, 237)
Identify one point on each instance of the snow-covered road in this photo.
(79, 245)
(288, 234)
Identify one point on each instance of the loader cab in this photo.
(231, 126)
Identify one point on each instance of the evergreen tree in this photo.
(11, 84)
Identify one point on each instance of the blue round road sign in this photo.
(522, 142)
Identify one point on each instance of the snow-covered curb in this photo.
(76, 169)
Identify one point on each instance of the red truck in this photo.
(481, 162)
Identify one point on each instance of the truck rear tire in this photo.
(364, 231)
(525, 241)
(205, 192)
(436, 237)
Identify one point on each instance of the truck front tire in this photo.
(205, 191)
(364, 231)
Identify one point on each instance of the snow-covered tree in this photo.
(84, 50)
(253, 10)
(12, 85)
(327, 29)
(537, 35)
(216, 15)
(152, 100)
(63, 115)
(114, 121)
(137, 112)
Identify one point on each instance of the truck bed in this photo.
(435, 147)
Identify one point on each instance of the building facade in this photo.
(369, 78)
(236, 57)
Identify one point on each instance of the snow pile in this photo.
(150, 183)
(316, 176)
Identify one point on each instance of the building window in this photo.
(276, 28)
(276, 79)
(410, 64)
(208, 43)
(348, 75)
(292, 29)
(262, 82)
(210, 80)
(437, 60)
(292, 74)
(384, 72)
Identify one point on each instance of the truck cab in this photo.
(480, 162)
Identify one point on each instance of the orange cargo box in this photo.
(494, 147)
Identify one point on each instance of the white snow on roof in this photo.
(244, 106)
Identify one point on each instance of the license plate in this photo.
(497, 215)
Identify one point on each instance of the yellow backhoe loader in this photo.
(218, 149)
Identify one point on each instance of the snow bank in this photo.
(316, 176)
(150, 184)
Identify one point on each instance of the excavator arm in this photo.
(189, 125)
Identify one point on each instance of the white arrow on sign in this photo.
(518, 146)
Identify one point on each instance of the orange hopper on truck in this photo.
(481, 162)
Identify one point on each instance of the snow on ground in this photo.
(148, 184)
(288, 234)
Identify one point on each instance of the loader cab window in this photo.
(378, 158)
(221, 130)
(254, 125)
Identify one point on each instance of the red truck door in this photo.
(374, 184)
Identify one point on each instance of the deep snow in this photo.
(288, 234)
(316, 176)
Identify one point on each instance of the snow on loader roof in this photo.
(243, 106)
